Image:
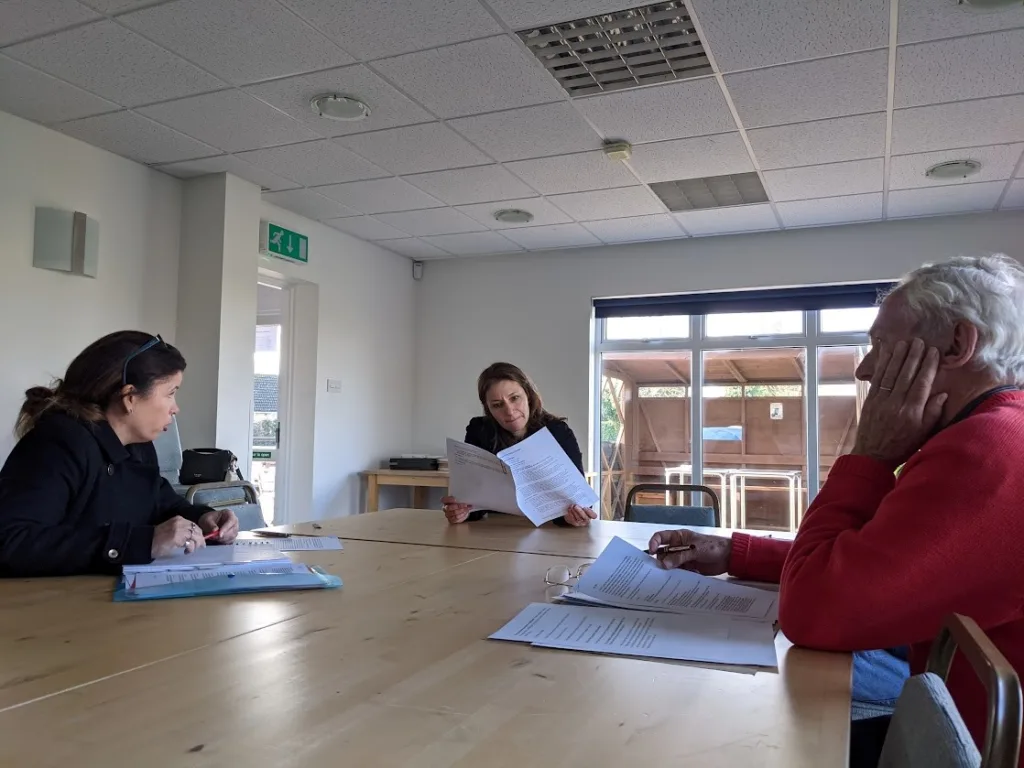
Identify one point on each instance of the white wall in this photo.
(535, 309)
(46, 318)
(365, 319)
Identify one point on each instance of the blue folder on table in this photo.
(226, 584)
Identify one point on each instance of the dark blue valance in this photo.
(759, 300)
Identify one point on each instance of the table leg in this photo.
(419, 497)
(372, 494)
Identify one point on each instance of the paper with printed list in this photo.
(716, 639)
(533, 478)
(289, 543)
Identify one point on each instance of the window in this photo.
(857, 320)
(642, 328)
(752, 324)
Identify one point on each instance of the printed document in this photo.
(210, 557)
(289, 544)
(534, 478)
(718, 639)
(163, 578)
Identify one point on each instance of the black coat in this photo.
(73, 499)
(483, 433)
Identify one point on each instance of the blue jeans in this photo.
(878, 678)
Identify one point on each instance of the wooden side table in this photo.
(418, 480)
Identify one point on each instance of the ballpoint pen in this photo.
(666, 549)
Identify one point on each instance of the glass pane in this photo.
(754, 436)
(854, 320)
(266, 427)
(753, 324)
(840, 399)
(645, 423)
(641, 328)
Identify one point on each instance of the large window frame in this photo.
(812, 339)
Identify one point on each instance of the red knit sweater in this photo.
(880, 562)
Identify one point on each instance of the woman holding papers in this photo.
(513, 410)
(81, 492)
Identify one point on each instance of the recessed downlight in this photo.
(983, 6)
(953, 169)
(513, 216)
(334, 106)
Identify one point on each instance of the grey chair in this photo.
(237, 495)
(666, 514)
(927, 731)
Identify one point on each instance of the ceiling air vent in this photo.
(711, 192)
(622, 49)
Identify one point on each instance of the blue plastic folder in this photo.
(230, 585)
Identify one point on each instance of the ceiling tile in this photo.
(372, 30)
(724, 221)
(116, 64)
(308, 203)
(965, 198)
(573, 173)
(744, 34)
(850, 178)
(416, 149)
(929, 20)
(474, 244)
(907, 171)
(135, 137)
(437, 221)
(388, 106)
(523, 14)
(518, 134)
(242, 41)
(966, 124)
(675, 111)
(414, 249)
(34, 95)
(22, 19)
(955, 70)
(813, 90)
(543, 213)
(691, 158)
(821, 141)
(636, 228)
(314, 163)
(555, 236)
(365, 227)
(470, 78)
(230, 120)
(831, 210)
(609, 203)
(1014, 195)
(472, 185)
(117, 6)
(380, 196)
(266, 180)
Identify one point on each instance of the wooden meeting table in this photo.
(393, 669)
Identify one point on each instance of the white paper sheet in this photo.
(534, 478)
(163, 578)
(290, 544)
(625, 576)
(709, 638)
(210, 557)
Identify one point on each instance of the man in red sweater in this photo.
(880, 561)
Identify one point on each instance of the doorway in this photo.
(267, 409)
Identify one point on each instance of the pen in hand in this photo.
(666, 549)
(212, 534)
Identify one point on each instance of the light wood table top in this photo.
(496, 533)
(394, 671)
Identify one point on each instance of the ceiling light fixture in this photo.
(513, 216)
(991, 5)
(953, 169)
(334, 106)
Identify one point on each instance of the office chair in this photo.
(666, 514)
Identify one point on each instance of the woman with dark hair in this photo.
(513, 410)
(81, 492)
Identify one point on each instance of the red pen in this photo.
(212, 534)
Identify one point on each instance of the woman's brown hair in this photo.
(538, 417)
(98, 377)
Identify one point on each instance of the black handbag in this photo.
(207, 465)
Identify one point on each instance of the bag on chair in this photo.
(208, 465)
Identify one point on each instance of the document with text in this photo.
(627, 577)
(717, 639)
(534, 478)
(290, 543)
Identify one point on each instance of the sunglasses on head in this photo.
(148, 345)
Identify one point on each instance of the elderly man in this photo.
(878, 561)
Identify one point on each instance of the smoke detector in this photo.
(334, 106)
(618, 150)
(953, 169)
(513, 216)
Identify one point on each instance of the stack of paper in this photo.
(219, 570)
(288, 543)
(626, 604)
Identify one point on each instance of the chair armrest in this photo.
(246, 487)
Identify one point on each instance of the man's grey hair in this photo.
(985, 291)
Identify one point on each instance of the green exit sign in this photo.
(283, 243)
(260, 455)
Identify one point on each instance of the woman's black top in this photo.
(73, 500)
(483, 433)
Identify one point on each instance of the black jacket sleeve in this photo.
(561, 431)
(44, 477)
